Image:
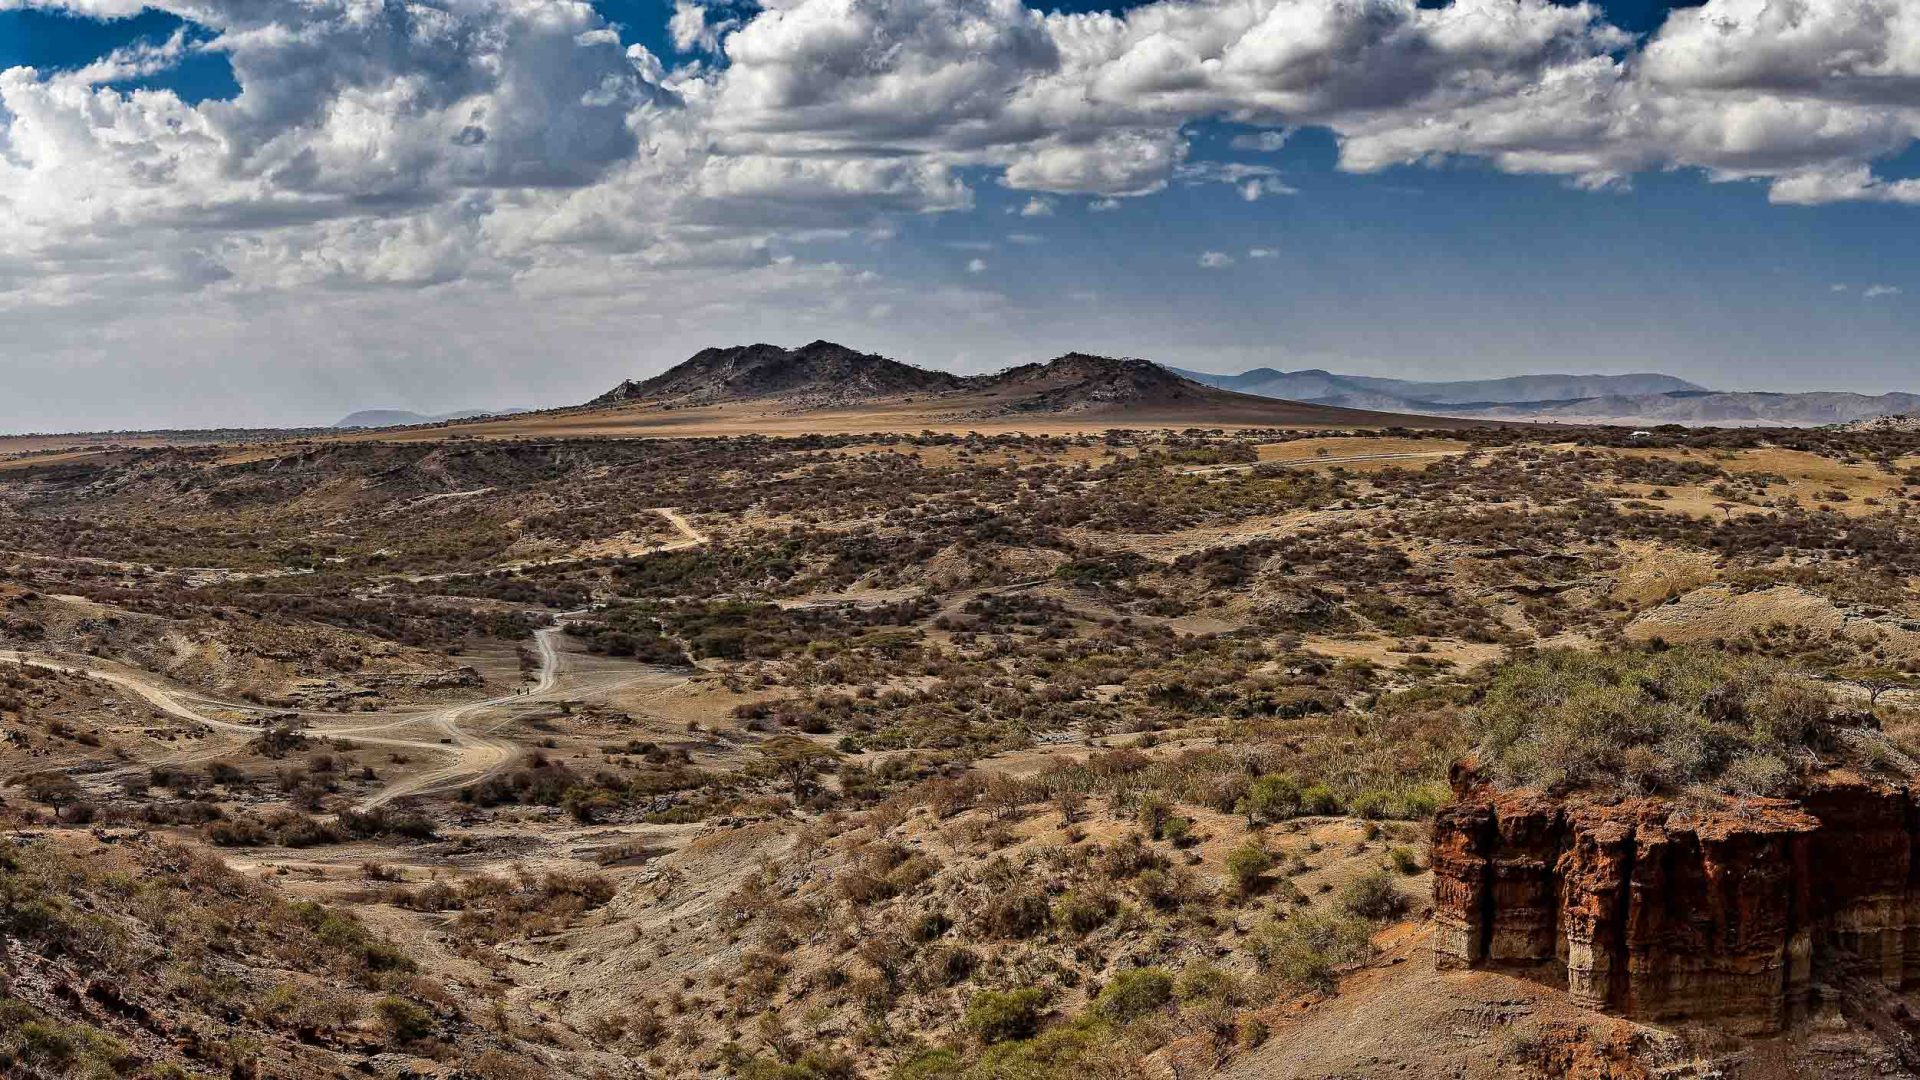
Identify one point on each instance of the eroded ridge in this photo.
(1663, 913)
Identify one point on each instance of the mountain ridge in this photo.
(1319, 384)
(825, 375)
(1635, 398)
(385, 418)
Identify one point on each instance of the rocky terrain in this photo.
(1043, 752)
(826, 376)
(820, 373)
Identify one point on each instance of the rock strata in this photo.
(1662, 913)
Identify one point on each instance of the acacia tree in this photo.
(798, 759)
(1877, 681)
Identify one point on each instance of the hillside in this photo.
(814, 374)
(824, 377)
(1063, 747)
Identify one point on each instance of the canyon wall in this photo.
(1664, 914)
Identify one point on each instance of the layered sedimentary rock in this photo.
(1660, 913)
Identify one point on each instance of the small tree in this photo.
(54, 789)
(1877, 681)
(1247, 866)
(798, 759)
(1154, 811)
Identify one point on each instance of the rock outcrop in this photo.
(1665, 914)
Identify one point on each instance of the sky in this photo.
(275, 212)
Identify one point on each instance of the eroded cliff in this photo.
(1664, 913)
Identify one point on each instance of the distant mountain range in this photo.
(385, 418)
(1366, 392)
(1643, 398)
(824, 375)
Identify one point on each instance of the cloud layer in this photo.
(518, 144)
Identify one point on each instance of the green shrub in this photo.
(1084, 910)
(1133, 993)
(994, 1016)
(1177, 831)
(1272, 798)
(1204, 982)
(1318, 800)
(1372, 896)
(813, 1065)
(932, 1065)
(1247, 866)
(1085, 1048)
(1311, 948)
(38, 1045)
(1658, 720)
(404, 1021)
(1018, 914)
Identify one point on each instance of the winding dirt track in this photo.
(475, 754)
(690, 537)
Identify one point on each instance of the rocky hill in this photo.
(824, 375)
(1080, 382)
(820, 373)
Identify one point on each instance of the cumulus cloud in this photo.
(1874, 292)
(403, 144)
(518, 145)
(692, 27)
(1215, 260)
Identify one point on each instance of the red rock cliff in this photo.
(1663, 914)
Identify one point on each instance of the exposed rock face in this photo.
(1665, 914)
(821, 371)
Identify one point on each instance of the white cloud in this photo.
(515, 145)
(1264, 141)
(976, 266)
(1262, 253)
(408, 144)
(691, 29)
(1874, 292)
(1214, 260)
(1251, 181)
(1037, 207)
(1101, 206)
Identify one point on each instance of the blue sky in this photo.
(1456, 264)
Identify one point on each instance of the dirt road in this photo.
(475, 754)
